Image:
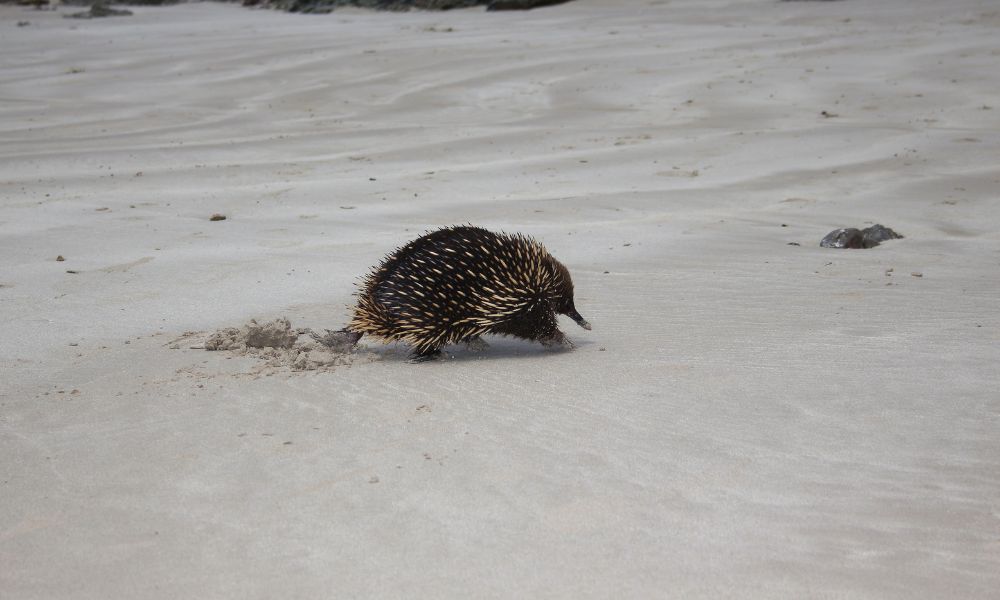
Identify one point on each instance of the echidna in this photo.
(458, 283)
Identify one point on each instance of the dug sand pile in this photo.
(279, 345)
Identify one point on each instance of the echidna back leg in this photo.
(476, 344)
(338, 341)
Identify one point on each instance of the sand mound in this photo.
(278, 344)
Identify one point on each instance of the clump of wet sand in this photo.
(278, 344)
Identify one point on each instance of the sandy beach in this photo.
(752, 415)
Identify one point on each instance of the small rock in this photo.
(60, 258)
(917, 274)
(217, 217)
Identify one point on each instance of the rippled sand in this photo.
(752, 416)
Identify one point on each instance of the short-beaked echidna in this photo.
(458, 283)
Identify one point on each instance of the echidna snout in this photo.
(459, 283)
(571, 313)
(566, 305)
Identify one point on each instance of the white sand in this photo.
(748, 418)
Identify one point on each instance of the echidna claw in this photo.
(424, 357)
(557, 340)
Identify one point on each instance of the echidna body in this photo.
(458, 283)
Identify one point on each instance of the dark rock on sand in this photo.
(98, 10)
(35, 3)
(325, 6)
(877, 234)
(521, 4)
(125, 2)
(842, 238)
(850, 237)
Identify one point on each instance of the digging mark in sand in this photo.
(124, 267)
(278, 345)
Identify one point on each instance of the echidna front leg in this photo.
(556, 339)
